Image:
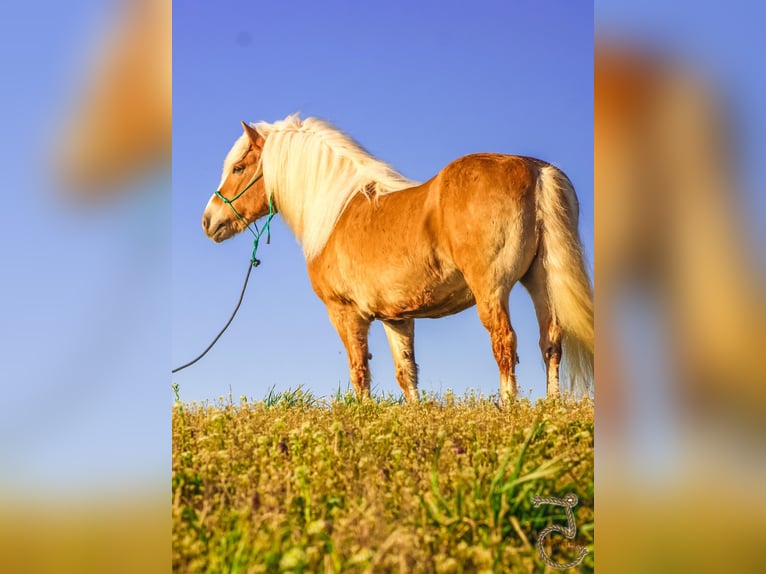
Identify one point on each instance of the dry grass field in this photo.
(293, 483)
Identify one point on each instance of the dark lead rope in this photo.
(250, 267)
(254, 262)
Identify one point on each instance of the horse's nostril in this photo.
(205, 222)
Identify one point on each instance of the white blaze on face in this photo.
(209, 207)
(213, 213)
(236, 153)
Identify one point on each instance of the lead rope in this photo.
(254, 262)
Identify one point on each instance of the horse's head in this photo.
(242, 189)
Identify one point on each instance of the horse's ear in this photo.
(255, 138)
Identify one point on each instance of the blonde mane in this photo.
(313, 170)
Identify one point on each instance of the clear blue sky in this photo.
(417, 83)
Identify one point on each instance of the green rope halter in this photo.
(255, 262)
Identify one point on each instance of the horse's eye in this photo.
(238, 169)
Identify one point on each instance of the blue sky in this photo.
(419, 85)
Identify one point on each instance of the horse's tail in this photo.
(570, 293)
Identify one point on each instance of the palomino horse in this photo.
(380, 246)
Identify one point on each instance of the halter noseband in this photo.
(240, 194)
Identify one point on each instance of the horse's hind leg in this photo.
(353, 330)
(496, 319)
(535, 282)
(401, 339)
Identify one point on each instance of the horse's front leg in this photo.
(401, 339)
(353, 329)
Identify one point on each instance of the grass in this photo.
(295, 483)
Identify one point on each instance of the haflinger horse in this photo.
(381, 246)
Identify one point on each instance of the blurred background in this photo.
(680, 131)
(679, 137)
(85, 251)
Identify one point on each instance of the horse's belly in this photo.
(428, 299)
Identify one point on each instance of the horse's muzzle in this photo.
(216, 230)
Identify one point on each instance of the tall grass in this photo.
(294, 483)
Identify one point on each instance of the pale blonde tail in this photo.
(569, 288)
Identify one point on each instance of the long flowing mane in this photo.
(313, 170)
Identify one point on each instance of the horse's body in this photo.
(396, 250)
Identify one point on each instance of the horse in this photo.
(381, 246)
